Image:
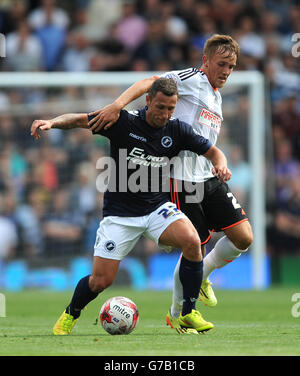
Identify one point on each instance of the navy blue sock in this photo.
(190, 274)
(81, 297)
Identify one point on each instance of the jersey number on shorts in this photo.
(235, 204)
(166, 213)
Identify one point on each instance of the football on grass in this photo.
(119, 315)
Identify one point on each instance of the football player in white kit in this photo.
(199, 104)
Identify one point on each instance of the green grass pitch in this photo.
(246, 323)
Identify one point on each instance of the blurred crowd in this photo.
(49, 204)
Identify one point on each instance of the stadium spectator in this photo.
(241, 174)
(8, 238)
(287, 169)
(149, 8)
(13, 169)
(208, 28)
(29, 216)
(50, 24)
(101, 15)
(83, 193)
(140, 65)
(62, 227)
(4, 101)
(82, 26)
(176, 27)
(48, 14)
(44, 173)
(186, 10)
(112, 53)
(9, 232)
(270, 24)
(156, 45)
(131, 28)
(23, 50)
(11, 15)
(284, 233)
(78, 53)
(7, 128)
(286, 78)
(251, 42)
(224, 13)
(273, 60)
(53, 40)
(287, 115)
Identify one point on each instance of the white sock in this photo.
(222, 254)
(177, 299)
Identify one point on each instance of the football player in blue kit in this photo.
(150, 138)
(200, 105)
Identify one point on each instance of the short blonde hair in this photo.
(221, 43)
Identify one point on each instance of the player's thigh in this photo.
(168, 226)
(162, 225)
(183, 235)
(222, 209)
(179, 233)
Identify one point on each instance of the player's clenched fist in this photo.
(43, 125)
(222, 173)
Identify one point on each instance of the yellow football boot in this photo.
(194, 320)
(64, 324)
(174, 323)
(207, 295)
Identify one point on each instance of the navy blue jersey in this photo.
(139, 182)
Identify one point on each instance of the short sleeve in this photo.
(192, 140)
(114, 130)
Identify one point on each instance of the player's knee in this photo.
(191, 247)
(242, 236)
(244, 242)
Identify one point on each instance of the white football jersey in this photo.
(199, 105)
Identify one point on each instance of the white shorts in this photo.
(116, 236)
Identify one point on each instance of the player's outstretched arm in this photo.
(219, 161)
(109, 114)
(66, 121)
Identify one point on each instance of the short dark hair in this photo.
(166, 85)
